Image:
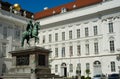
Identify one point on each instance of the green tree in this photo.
(87, 72)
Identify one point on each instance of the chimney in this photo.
(45, 8)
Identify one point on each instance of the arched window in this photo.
(63, 65)
(97, 63)
(97, 67)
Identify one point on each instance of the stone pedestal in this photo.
(30, 63)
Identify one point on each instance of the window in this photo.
(4, 68)
(71, 50)
(43, 38)
(4, 32)
(86, 32)
(95, 30)
(70, 34)
(113, 66)
(56, 52)
(78, 33)
(54, 12)
(87, 66)
(79, 66)
(106, 0)
(3, 49)
(63, 35)
(87, 49)
(71, 67)
(110, 27)
(96, 48)
(56, 68)
(63, 51)
(63, 10)
(50, 38)
(56, 36)
(78, 49)
(50, 54)
(17, 34)
(112, 48)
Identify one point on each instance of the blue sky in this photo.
(38, 5)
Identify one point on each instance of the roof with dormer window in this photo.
(70, 6)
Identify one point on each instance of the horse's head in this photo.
(37, 25)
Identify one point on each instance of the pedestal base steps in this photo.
(30, 63)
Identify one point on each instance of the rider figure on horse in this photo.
(31, 32)
(29, 28)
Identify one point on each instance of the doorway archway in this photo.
(97, 67)
(64, 70)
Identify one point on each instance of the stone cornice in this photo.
(30, 50)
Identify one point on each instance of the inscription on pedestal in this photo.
(22, 60)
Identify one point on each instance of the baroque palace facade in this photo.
(84, 34)
(12, 24)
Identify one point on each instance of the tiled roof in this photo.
(77, 4)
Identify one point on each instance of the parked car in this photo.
(99, 76)
(113, 76)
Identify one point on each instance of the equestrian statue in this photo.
(31, 32)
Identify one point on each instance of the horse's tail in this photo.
(23, 38)
(22, 42)
(25, 35)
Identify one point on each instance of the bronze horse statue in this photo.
(34, 34)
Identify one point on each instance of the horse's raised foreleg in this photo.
(28, 42)
(36, 39)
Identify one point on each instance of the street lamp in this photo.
(118, 58)
(78, 72)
